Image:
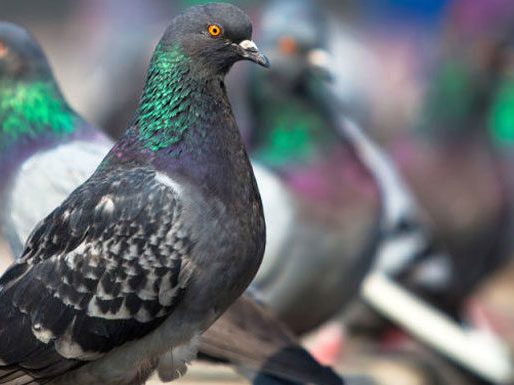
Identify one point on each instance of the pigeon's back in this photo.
(43, 181)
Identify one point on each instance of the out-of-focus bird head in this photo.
(213, 37)
(294, 34)
(21, 57)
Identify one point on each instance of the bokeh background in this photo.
(431, 80)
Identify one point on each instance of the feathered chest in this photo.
(227, 223)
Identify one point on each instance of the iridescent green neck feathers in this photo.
(165, 108)
(32, 109)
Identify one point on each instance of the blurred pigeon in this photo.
(266, 340)
(406, 248)
(329, 209)
(465, 191)
(46, 149)
(124, 276)
(401, 245)
(288, 138)
(408, 252)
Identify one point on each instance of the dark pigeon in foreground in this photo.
(123, 277)
(265, 338)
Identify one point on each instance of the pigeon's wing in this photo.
(269, 348)
(44, 182)
(104, 268)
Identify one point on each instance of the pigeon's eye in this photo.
(287, 45)
(214, 30)
(3, 50)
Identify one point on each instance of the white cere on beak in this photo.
(248, 45)
(319, 58)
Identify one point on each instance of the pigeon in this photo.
(467, 191)
(400, 243)
(267, 341)
(46, 149)
(409, 251)
(322, 200)
(122, 278)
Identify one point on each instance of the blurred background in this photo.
(432, 81)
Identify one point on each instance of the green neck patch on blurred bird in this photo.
(32, 109)
(501, 119)
(290, 133)
(164, 113)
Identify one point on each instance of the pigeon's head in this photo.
(213, 37)
(21, 57)
(294, 34)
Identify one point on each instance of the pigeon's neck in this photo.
(185, 126)
(34, 117)
(291, 132)
(171, 101)
(32, 110)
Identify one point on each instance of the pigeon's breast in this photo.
(229, 238)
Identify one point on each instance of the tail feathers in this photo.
(265, 379)
(34, 372)
(9, 373)
(292, 365)
(15, 376)
(248, 336)
(297, 365)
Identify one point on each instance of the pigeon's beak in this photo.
(319, 62)
(248, 50)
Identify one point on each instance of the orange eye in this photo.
(3, 49)
(287, 45)
(214, 30)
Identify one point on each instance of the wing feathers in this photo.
(104, 268)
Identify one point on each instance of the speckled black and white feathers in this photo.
(83, 285)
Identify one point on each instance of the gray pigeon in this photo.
(300, 121)
(123, 277)
(323, 202)
(269, 347)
